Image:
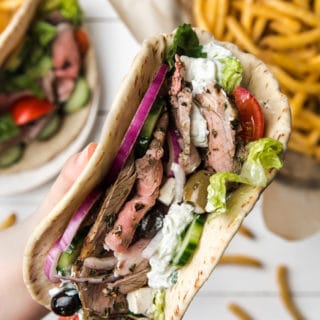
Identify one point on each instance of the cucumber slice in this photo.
(148, 127)
(189, 242)
(69, 256)
(79, 96)
(50, 128)
(11, 155)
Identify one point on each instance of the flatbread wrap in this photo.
(149, 218)
(48, 84)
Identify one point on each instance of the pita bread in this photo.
(218, 232)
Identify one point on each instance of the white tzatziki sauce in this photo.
(201, 71)
(165, 243)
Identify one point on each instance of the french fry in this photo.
(297, 40)
(239, 259)
(246, 232)
(263, 10)
(258, 28)
(8, 222)
(316, 5)
(199, 15)
(285, 294)
(239, 312)
(222, 11)
(246, 16)
(291, 9)
(295, 84)
(242, 38)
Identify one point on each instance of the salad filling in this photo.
(42, 81)
(185, 152)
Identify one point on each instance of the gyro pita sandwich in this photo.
(177, 169)
(48, 83)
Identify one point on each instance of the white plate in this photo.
(20, 182)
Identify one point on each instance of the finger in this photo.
(71, 170)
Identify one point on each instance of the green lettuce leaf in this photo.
(263, 154)
(159, 304)
(231, 73)
(69, 9)
(8, 128)
(44, 32)
(186, 43)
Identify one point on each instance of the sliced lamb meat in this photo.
(189, 158)
(149, 176)
(128, 260)
(114, 199)
(220, 115)
(64, 88)
(66, 56)
(47, 85)
(136, 280)
(8, 99)
(182, 105)
(177, 78)
(98, 301)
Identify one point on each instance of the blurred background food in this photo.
(7, 10)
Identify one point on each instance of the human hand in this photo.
(15, 300)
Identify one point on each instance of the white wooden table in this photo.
(254, 289)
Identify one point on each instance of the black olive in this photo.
(66, 302)
(152, 222)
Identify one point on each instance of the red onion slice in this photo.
(51, 261)
(50, 266)
(77, 219)
(137, 123)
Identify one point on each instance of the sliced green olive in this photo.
(195, 190)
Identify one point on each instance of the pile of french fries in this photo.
(285, 35)
(7, 10)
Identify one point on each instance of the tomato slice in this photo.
(82, 40)
(30, 108)
(251, 115)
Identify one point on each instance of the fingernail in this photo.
(87, 153)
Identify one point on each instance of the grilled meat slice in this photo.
(115, 197)
(66, 55)
(220, 115)
(181, 102)
(149, 176)
(99, 302)
(133, 281)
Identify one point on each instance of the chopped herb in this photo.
(118, 230)
(139, 206)
(174, 277)
(110, 220)
(214, 133)
(185, 42)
